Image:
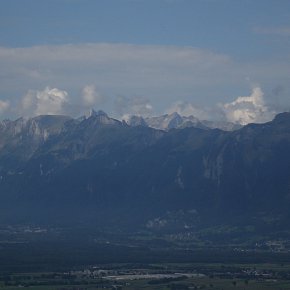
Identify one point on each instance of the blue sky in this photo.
(225, 26)
(145, 57)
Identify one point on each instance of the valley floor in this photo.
(155, 276)
(37, 258)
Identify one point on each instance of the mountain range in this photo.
(176, 121)
(167, 172)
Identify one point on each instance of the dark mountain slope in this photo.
(101, 171)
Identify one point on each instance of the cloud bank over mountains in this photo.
(54, 101)
(138, 106)
(4, 105)
(127, 79)
(91, 97)
(46, 102)
(188, 109)
(243, 110)
(248, 109)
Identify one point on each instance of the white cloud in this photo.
(49, 101)
(248, 109)
(29, 101)
(160, 72)
(125, 106)
(163, 74)
(91, 97)
(188, 109)
(4, 106)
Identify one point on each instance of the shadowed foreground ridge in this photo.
(99, 171)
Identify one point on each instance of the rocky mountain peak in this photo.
(136, 121)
